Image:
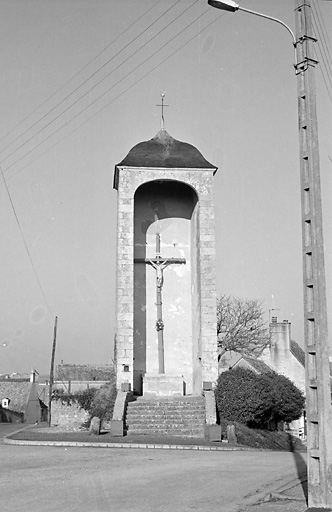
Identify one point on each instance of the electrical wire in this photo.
(8, 192)
(109, 89)
(117, 97)
(88, 79)
(322, 50)
(25, 243)
(317, 10)
(9, 195)
(76, 74)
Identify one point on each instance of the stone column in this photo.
(125, 283)
(208, 280)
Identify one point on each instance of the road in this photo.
(47, 479)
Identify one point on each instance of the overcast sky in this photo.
(80, 80)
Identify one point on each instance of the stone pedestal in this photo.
(212, 432)
(163, 384)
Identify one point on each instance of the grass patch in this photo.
(264, 439)
(246, 437)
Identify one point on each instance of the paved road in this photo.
(48, 479)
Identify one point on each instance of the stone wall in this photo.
(70, 417)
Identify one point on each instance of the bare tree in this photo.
(240, 326)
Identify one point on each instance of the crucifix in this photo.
(159, 264)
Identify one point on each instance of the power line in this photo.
(109, 89)
(25, 243)
(78, 73)
(323, 44)
(87, 80)
(122, 92)
(320, 16)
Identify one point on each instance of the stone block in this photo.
(231, 435)
(125, 386)
(94, 428)
(163, 384)
(212, 432)
(210, 408)
(117, 429)
(207, 386)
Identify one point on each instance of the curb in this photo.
(82, 444)
(89, 444)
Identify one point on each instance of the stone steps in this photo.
(179, 416)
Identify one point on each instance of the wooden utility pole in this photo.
(318, 388)
(52, 372)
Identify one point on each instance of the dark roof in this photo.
(297, 352)
(164, 151)
(257, 365)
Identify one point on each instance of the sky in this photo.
(80, 84)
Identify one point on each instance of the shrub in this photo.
(103, 402)
(289, 400)
(85, 398)
(96, 401)
(257, 400)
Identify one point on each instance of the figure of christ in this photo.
(159, 265)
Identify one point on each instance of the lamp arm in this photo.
(272, 19)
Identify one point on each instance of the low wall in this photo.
(68, 416)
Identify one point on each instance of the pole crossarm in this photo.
(304, 59)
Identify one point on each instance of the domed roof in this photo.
(164, 151)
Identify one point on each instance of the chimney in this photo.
(280, 335)
(33, 376)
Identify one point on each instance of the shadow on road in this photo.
(301, 466)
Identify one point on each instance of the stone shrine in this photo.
(166, 341)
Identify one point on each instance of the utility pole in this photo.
(318, 387)
(52, 372)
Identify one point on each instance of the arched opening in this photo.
(166, 210)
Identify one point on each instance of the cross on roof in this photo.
(162, 110)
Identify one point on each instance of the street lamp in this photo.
(233, 6)
(318, 386)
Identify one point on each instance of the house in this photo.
(284, 356)
(19, 401)
(250, 363)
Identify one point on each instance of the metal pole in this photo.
(160, 324)
(160, 332)
(318, 388)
